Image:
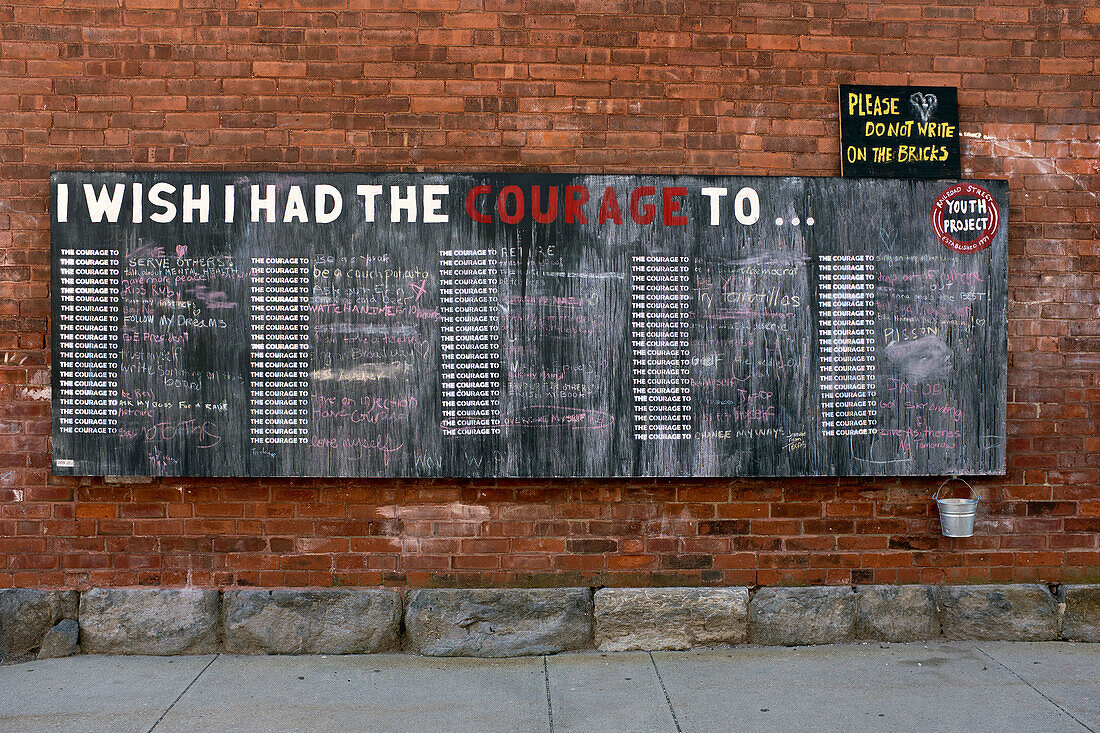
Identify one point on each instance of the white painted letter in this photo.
(750, 196)
(98, 205)
(295, 206)
(191, 204)
(369, 194)
(432, 214)
(715, 195)
(267, 203)
(320, 194)
(135, 203)
(169, 213)
(399, 204)
(230, 203)
(62, 202)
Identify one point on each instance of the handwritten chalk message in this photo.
(256, 324)
(899, 132)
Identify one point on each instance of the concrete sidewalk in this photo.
(961, 686)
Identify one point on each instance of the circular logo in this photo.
(965, 218)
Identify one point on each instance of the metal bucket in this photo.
(957, 515)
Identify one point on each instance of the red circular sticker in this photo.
(965, 218)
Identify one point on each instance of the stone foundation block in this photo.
(794, 616)
(1082, 616)
(652, 619)
(896, 613)
(26, 615)
(62, 640)
(498, 622)
(149, 621)
(330, 621)
(1018, 612)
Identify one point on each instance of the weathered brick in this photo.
(526, 85)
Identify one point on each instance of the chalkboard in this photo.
(361, 324)
(899, 132)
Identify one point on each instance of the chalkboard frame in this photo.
(780, 198)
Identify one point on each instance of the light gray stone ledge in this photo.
(896, 613)
(1082, 612)
(652, 619)
(498, 622)
(797, 616)
(329, 621)
(149, 621)
(1011, 612)
(27, 614)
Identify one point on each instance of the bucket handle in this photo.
(973, 494)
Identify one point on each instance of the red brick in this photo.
(597, 90)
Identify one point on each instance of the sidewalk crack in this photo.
(549, 705)
(668, 700)
(185, 689)
(1041, 693)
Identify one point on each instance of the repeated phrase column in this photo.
(660, 312)
(280, 361)
(469, 325)
(89, 339)
(846, 324)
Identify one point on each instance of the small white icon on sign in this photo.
(924, 105)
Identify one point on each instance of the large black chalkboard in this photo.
(259, 324)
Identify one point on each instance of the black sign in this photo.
(258, 324)
(899, 132)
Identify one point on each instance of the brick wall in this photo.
(582, 85)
